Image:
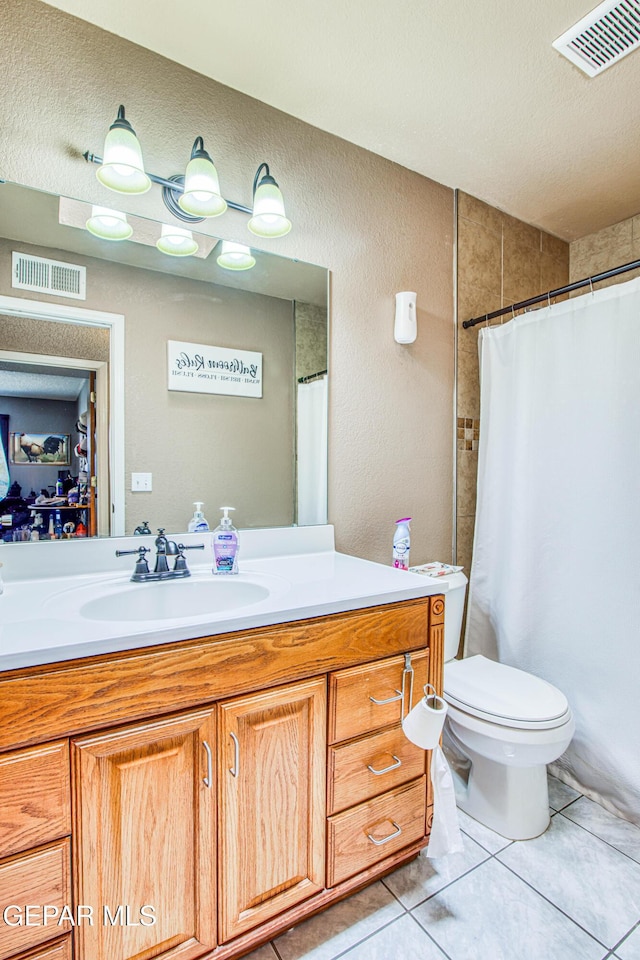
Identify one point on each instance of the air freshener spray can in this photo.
(401, 544)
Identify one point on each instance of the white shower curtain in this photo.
(555, 581)
(312, 452)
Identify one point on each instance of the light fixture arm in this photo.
(198, 149)
(173, 187)
(266, 179)
(121, 121)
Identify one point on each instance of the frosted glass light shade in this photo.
(269, 218)
(176, 241)
(109, 224)
(122, 168)
(235, 256)
(201, 197)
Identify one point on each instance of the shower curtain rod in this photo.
(589, 281)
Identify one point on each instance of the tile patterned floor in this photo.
(571, 894)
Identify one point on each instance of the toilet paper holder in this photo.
(423, 725)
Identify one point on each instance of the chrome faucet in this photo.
(164, 548)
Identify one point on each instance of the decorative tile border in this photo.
(468, 433)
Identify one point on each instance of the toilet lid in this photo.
(495, 690)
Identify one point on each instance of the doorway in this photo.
(56, 454)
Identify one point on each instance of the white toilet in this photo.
(503, 727)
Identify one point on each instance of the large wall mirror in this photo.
(172, 375)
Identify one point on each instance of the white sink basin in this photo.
(173, 599)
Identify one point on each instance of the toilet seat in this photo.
(503, 695)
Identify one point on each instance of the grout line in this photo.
(430, 896)
(601, 839)
(559, 909)
(492, 853)
(626, 937)
(373, 933)
(395, 897)
(432, 938)
(275, 949)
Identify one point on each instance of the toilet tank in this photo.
(453, 610)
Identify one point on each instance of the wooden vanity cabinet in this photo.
(272, 803)
(35, 827)
(386, 809)
(236, 784)
(145, 838)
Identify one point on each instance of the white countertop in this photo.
(41, 618)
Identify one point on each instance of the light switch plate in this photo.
(141, 482)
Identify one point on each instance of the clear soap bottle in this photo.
(225, 545)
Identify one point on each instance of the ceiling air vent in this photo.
(606, 35)
(48, 276)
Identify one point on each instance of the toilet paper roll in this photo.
(445, 835)
(423, 725)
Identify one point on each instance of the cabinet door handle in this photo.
(388, 700)
(394, 766)
(392, 836)
(235, 769)
(208, 780)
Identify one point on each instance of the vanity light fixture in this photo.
(201, 197)
(176, 241)
(122, 168)
(268, 218)
(194, 196)
(108, 224)
(235, 256)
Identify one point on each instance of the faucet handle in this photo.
(181, 563)
(142, 567)
(128, 553)
(141, 563)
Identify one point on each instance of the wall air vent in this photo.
(48, 276)
(603, 37)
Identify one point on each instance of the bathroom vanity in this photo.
(195, 797)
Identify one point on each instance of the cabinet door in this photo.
(145, 838)
(272, 797)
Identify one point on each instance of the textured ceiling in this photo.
(21, 380)
(470, 94)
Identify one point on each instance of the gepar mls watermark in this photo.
(50, 915)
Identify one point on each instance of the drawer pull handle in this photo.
(394, 766)
(208, 780)
(235, 769)
(392, 836)
(388, 700)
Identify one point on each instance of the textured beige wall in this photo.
(234, 450)
(51, 339)
(501, 260)
(605, 250)
(378, 227)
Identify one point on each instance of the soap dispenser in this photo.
(225, 545)
(198, 524)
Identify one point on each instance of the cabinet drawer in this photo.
(362, 835)
(371, 765)
(40, 877)
(60, 950)
(34, 797)
(366, 698)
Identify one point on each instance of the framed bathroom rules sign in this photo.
(201, 368)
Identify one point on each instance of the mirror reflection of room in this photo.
(48, 452)
(266, 455)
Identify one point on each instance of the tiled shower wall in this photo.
(501, 260)
(606, 249)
